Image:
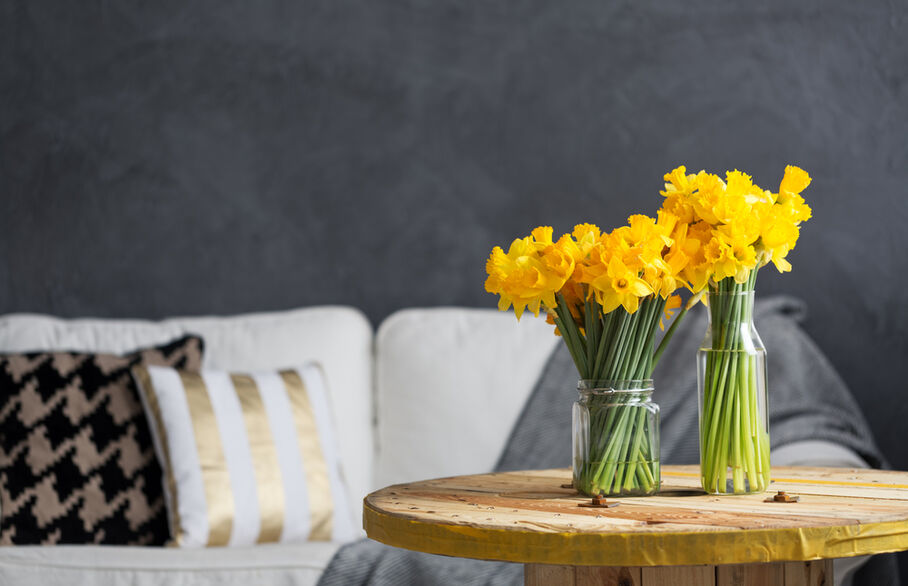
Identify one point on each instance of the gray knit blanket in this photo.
(807, 401)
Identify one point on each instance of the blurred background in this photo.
(174, 158)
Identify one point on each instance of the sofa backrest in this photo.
(450, 383)
(340, 338)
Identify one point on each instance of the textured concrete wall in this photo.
(218, 157)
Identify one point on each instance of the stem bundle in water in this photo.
(734, 436)
(617, 451)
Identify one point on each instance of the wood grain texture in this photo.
(545, 575)
(675, 576)
(751, 575)
(817, 573)
(528, 517)
(607, 576)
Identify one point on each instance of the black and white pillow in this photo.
(77, 464)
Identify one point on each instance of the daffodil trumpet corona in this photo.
(606, 292)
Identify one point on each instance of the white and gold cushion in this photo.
(247, 457)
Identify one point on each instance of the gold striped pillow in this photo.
(247, 458)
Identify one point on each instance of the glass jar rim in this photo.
(642, 385)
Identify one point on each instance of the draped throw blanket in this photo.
(807, 401)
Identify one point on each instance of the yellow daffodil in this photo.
(541, 236)
(738, 183)
(747, 225)
(639, 229)
(667, 221)
(671, 280)
(692, 240)
(678, 181)
(793, 206)
(620, 286)
(795, 180)
(731, 208)
(778, 236)
(730, 259)
(679, 205)
(744, 231)
(673, 303)
(704, 200)
(586, 235)
(530, 274)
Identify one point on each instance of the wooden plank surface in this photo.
(536, 500)
(544, 575)
(599, 576)
(751, 575)
(816, 573)
(840, 512)
(675, 576)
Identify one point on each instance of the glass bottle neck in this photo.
(724, 307)
(731, 322)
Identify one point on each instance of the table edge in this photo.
(729, 546)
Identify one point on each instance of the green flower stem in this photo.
(607, 329)
(640, 338)
(606, 470)
(621, 327)
(644, 366)
(750, 453)
(631, 472)
(570, 335)
(668, 336)
(591, 334)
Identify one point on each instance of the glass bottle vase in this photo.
(616, 438)
(734, 423)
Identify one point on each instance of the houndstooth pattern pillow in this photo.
(77, 464)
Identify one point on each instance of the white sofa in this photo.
(433, 393)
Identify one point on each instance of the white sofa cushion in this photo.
(339, 338)
(450, 383)
(90, 565)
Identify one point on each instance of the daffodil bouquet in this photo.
(727, 231)
(606, 293)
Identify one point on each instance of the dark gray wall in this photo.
(220, 157)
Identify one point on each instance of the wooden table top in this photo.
(528, 517)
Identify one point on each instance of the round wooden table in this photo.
(680, 536)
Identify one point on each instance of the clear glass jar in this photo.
(731, 373)
(616, 438)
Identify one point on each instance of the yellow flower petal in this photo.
(795, 180)
(542, 234)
